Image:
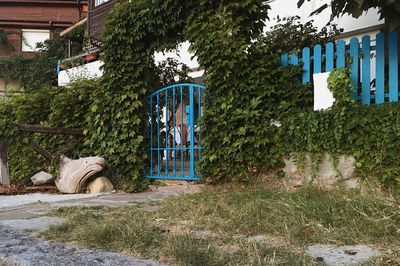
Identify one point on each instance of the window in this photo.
(99, 2)
(31, 37)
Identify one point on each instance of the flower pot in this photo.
(91, 57)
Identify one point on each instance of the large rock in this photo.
(327, 174)
(42, 178)
(73, 174)
(99, 185)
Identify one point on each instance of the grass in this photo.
(213, 227)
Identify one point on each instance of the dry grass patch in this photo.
(214, 227)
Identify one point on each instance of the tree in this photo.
(290, 35)
(388, 9)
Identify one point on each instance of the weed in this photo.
(213, 227)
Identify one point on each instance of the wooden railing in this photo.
(48, 155)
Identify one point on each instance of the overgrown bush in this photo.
(240, 125)
(291, 35)
(255, 111)
(34, 72)
(241, 114)
(51, 106)
(247, 89)
(370, 133)
(69, 106)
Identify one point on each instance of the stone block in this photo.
(300, 172)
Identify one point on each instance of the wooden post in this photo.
(4, 177)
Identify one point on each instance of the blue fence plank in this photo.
(294, 59)
(329, 56)
(58, 66)
(355, 64)
(366, 70)
(317, 58)
(284, 59)
(306, 65)
(380, 68)
(386, 70)
(393, 67)
(199, 106)
(341, 54)
(182, 132)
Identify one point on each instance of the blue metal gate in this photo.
(175, 139)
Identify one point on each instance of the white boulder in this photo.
(73, 174)
(99, 185)
(42, 178)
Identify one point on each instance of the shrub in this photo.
(241, 113)
(247, 89)
(69, 106)
(50, 106)
(370, 133)
(38, 71)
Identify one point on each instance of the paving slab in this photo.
(38, 224)
(333, 255)
(36, 205)
(19, 200)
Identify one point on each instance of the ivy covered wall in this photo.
(255, 111)
(247, 89)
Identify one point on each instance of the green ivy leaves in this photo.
(58, 107)
(369, 133)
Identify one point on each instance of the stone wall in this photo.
(320, 171)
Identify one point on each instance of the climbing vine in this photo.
(219, 33)
(247, 89)
(369, 133)
(3, 38)
(255, 111)
(34, 72)
(67, 106)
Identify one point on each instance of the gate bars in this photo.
(175, 139)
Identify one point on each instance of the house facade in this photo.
(98, 11)
(95, 24)
(23, 23)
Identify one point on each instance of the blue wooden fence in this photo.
(374, 65)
